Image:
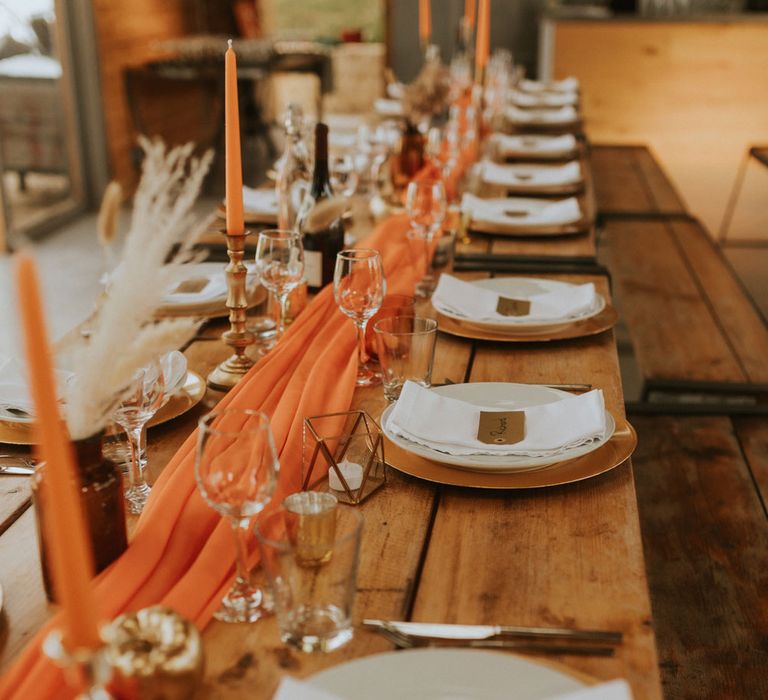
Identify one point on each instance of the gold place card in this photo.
(501, 427)
(513, 307)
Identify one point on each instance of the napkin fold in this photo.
(561, 115)
(260, 201)
(388, 108)
(14, 387)
(531, 175)
(507, 145)
(520, 98)
(174, 366)
(517, 212)
(204, 285)
(450, 425)
(479, 303)
(570, 84)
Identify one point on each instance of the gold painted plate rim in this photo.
(593, 325)
(615, 452)
(189, 396)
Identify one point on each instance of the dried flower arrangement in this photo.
(429, 93)
(124, 336)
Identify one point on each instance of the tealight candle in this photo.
(352, 473)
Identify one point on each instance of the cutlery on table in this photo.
(16, 465)
(562, 387)
(476, 633)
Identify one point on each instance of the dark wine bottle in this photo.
(320, 219)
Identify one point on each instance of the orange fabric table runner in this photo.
(176, 555)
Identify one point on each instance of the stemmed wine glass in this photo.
(427, 204)
(142, 399)
(236, 470)
(280, 267)
(359, 288)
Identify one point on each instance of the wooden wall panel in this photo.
(694, 91)
(126, 34)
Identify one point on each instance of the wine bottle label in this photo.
(313, 268)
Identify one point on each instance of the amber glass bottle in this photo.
(101, 494)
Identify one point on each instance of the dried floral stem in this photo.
(125, 337)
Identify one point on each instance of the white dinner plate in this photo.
(503, 396)
(520, 212)
(444, 674)
(521, 288)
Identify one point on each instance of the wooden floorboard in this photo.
(706, 550)
(619, 185)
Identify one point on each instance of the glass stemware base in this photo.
(367, 375)
(244, 603)
(136, 498)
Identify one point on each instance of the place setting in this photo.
(533, 178)
(520, 309)
(533, 147)
(519, 216)
(554, 117)
(503, 436)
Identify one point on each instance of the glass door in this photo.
(41, 180)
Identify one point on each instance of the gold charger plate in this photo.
(593, 325)
(613, 453)
(491, 228)
(188, 396)
(569, 188)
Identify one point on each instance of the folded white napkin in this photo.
(542, 99)
(14, 388)
(174, 366)
(210, 286)
(560, 115)
(613, 690)
(260, 201)
(388, 108)
(450, 425)
(479, 303)
(535, 175)
(516, 211)
(570, 84)
(292, 689)
(548, 145)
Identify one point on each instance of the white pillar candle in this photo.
(353, 475)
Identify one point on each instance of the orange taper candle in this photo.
(425, 22)
(470, 10)
(483, 37)
(65, 536)
(234, 183)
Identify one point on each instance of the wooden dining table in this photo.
(564, 556)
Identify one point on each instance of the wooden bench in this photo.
(699, 341)
(629, 183)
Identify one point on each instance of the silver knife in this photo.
(15, 470)
(476, 632)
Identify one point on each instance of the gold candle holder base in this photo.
(87, 670)
(238, 337)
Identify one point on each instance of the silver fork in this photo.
(407, 641)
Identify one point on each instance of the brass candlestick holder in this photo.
(86, 670)
(238, 337)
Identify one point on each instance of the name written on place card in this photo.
(501, 427)
(513, 307)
